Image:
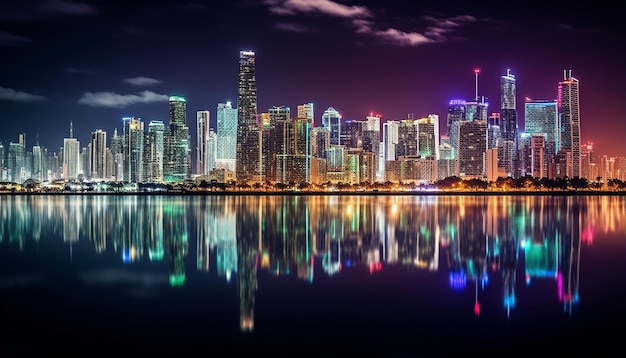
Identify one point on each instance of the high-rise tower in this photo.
(177, 166)
(202, 126)
(248, 163)
(98, 154)
(508, 147)
(331, 120)
(569, 118)
(226, 136)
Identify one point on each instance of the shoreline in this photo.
(333, 193)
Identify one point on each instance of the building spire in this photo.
(476, 72)
(71, 130)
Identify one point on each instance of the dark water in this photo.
(400, 276)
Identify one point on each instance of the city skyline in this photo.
(357, 58)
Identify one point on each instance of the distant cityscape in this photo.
(281, 147)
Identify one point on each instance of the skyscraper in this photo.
(98, 154)
(202, 126)
(177, 166)
(569, 118)
(428, 136)
(331, 120)
(540, 117)
(508, 148)
(226, 136)
(153, 151)
(71, 156)
(248, 163)
(133, 149)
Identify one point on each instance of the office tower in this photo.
(456, 113)
(407, 139)
(267, 124)
(508, 153)
(98, 154)
(492, 164)
(117, 150)
(248, 163)
(133, 149)
(16, 162)
(493, 131)
(226, 136)
(334, 158)
(154, 143)
(428, 137)
(541, 117)
(71, 156)
(372, 144)
(85, 163)
(351, 135)
(476, 110)
(202, 126)
(587, 161)
(537, 155)
(177, 162)
(306, 111)
(320, 142)
(301, 163)
(331, 120)
(508, 107)
(211, 151)
(390, 139)
(110, 164)
(472, 139)
(278, 143)
(569, 119)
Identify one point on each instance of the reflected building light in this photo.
(458, 280)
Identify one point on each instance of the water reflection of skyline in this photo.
(473, 239)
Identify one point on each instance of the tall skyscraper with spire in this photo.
(569, 118)
(248, 162)
(71, 156)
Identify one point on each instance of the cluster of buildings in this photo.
(281, 146)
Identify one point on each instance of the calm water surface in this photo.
(365, 275)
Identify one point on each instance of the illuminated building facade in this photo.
(279, 144)
(98, 154)
(569, 119)
(248, 162)
(202, 128)
(540, 117)
(226, 136)
(133, 149)
(428, 137)
(331, 120)
(154, 151)
(472, 139)
(390, 139)
(177, 165)
(508, 149)
(71, 156)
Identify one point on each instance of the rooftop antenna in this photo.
(71, 130)
(476, 72)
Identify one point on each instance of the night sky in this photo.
(93, 62)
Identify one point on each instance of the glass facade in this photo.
(248, 162)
